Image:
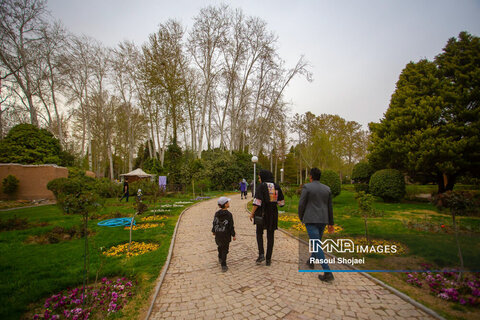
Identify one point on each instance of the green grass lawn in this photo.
(32, 272)
(424, 246)
(438, 249)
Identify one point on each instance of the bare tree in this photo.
(206, 39)
(48, 79)
(124, 63)
(77, 69)
(21, 24)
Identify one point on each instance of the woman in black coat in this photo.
(268, 196)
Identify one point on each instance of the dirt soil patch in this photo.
(59, 234)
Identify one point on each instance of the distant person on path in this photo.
(268, 197)
(223, 230)
(125, 190)
(243, 189)
(316, 212)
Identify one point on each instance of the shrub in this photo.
(388, 184)
(74, 172)
(107, 188)
(10, 184)
(80, 203)
(362, 172)
(460, 202)
(148, 187)
(332, 179)
(61, 186)
(361, 187)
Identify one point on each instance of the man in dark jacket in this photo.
(316, 212)
(223, 230)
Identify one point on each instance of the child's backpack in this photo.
(220, 225)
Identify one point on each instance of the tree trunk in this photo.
(110, 158)
(450, 182)
(164, 143)
(90, 158)
(366, 230)
(460, 256)
(276, 162)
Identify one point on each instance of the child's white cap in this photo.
(223, 200)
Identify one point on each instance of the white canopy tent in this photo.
(137, 174)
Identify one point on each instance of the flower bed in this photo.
(172, 206)
(401, 248)
(160, 210)
(427, 226)
(301, 227)
(154, 218)
(289, 219)
(145, 226)
(137, 248)
(444, 285)
(109, 298)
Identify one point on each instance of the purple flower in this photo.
(112, 307)
(77, 310)
(36, 316)
(66, 313)
(443, 296)
(463, 301)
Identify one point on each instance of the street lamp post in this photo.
(281, 175)
(254, 160)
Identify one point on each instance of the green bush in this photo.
(107, 188)
(148, 187)
(74, 172)
(362, 172)
(61, 186)
(332, 179)
(388, 184)
(10, 184)
(465, 203)
(361, 187)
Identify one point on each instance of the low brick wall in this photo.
(33, 180)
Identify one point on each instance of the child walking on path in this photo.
(223, 230)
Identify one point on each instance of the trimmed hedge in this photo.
(332, 179)
(388, 184)
(362, 172)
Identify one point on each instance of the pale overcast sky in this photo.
(357, 49)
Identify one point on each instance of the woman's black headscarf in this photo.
(266, 176)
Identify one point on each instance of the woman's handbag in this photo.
(258, 219)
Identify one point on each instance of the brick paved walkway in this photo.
(195, 288)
